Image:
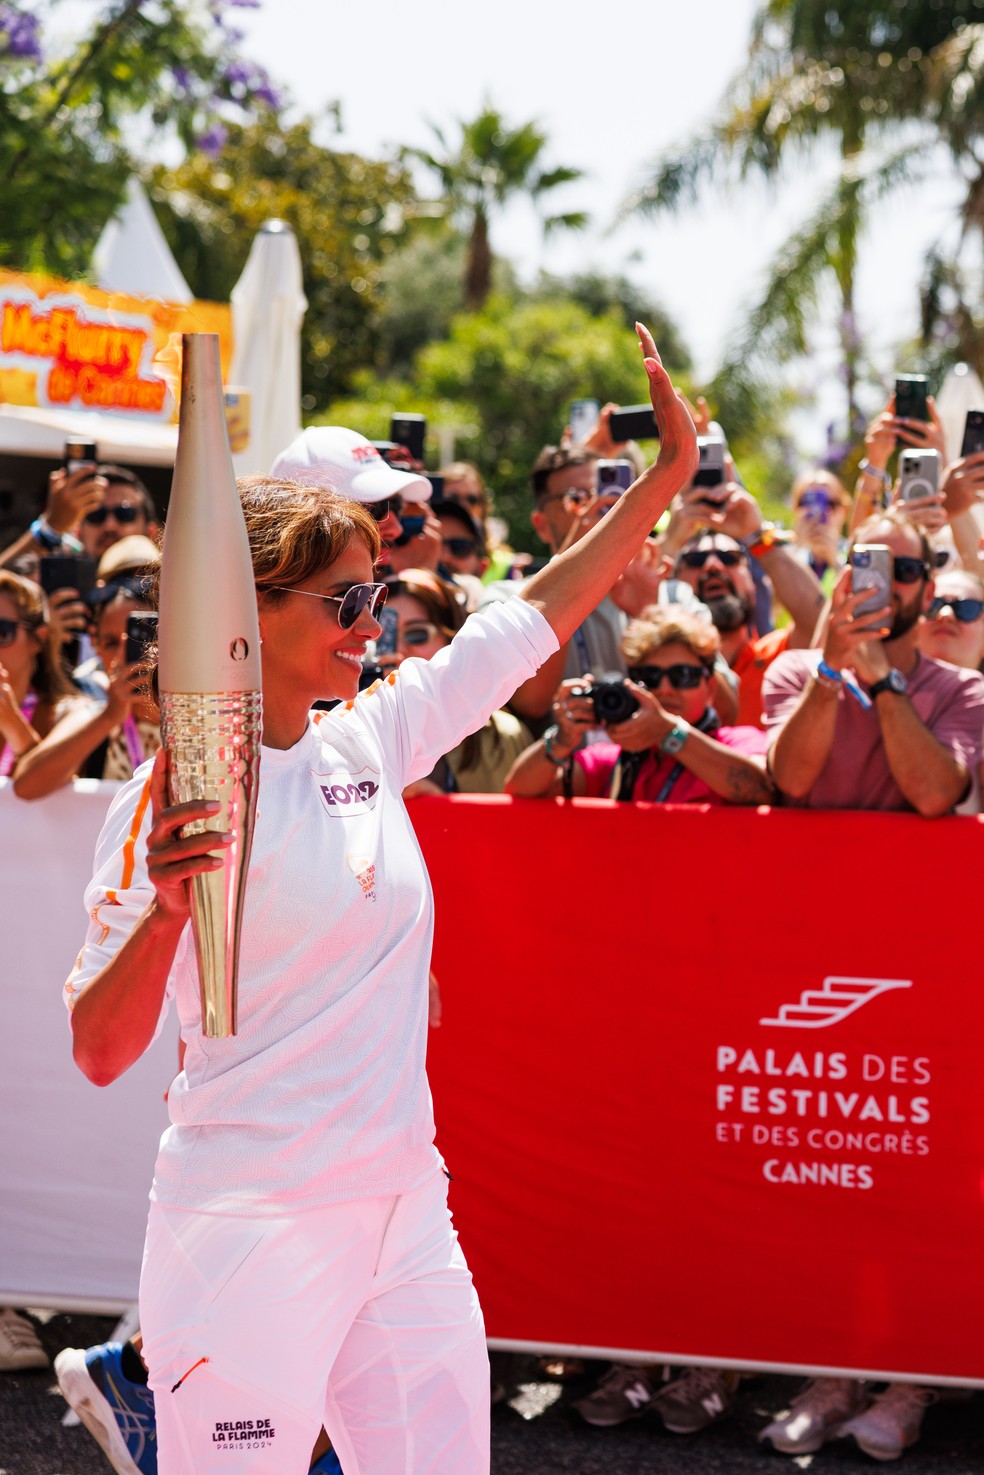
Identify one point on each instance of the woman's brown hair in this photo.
(48, 679)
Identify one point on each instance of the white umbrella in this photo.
(268, 306)
(962, 390)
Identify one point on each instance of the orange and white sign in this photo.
(67, 346)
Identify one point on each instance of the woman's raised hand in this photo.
(677, 434)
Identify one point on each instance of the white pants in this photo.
(361, 1316)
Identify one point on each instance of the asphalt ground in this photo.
(535, 1431)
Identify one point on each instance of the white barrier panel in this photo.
(76, 1161)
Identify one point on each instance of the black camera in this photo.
(613, 702)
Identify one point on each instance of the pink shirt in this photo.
(948, 699)
(599, 760)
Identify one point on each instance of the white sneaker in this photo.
(891, 1423)
(814, 1415)
(20, 1347)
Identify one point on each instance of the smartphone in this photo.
(141, 635)
(633, 422)
(68, 571)
(612, 478)
(910, 396)
(973, 436)
(710, 464)
(437, 487)
(815, 504)
(583, 419)
(871, 568)
(919, 474)
(410, 431)
(80, 454)
(386, 639)
(412, 528)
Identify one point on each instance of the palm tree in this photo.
(490, 165)
(848, 72)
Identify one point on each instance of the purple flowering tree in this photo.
(74, 119)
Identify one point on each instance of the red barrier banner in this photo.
(708, 1080)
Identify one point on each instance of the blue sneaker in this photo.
(117, 1413)
(326, 1465)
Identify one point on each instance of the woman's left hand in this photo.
(648, 725)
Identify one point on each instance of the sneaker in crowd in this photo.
(622, 1393)
(117, 1413)
(815, 1415)
(20, 1346)
(891, 1422)
(327, 1464)
(699, 1397)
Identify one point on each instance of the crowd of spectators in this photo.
(734, 662)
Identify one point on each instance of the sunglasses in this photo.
(909, 570)
(680, 677)
(421, 634)
(123, 512)
(381, 510)
(350, 604)
(964, 610)
(470, 499)
(9, 629)
(460, 547)
(696, 558)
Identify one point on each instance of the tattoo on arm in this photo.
(747, 786)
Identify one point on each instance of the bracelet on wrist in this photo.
(549, 738)
(43, 533)
(865, 468)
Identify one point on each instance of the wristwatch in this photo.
(894, 682)
(675, 739)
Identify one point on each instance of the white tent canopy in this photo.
(133, 256)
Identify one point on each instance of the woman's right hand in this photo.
(172, 858)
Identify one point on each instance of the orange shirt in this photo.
(753, 660)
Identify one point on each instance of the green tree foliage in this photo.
(489, 165)
(69, 118)
(345, 211)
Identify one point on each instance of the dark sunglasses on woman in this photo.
(964, 610)
(350, 604)
(9, 629)
(681, 677)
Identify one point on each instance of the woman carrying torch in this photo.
(300, 1265)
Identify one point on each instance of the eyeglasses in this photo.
(964, 610)
(470, 499)
(460, 547)
(381, 510)
(909, 570)
(122, 512)
(9, 629)
(696, 558)
(680, 677)
(350, 604)
(420, 634)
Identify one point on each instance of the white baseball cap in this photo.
(345, 462)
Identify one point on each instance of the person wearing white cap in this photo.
(343, 461)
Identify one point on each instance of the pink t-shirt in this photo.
(599, 760)
(948, 699)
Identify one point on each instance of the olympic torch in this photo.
(209, 669)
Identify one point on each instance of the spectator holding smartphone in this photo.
(34, 690)
(108, 739)
(952, 630)
(887, 431)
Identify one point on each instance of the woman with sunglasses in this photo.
(671, 749)
(429, 611)
(952, 630)
(34, 690)
(300, 1264)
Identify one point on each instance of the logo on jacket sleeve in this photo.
(348, 793)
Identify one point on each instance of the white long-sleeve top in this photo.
(321, 1096)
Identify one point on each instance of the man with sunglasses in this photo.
(126, 507)
(344, 461)
(869, 722)
(718, 568)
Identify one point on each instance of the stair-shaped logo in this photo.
(817, 1008)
